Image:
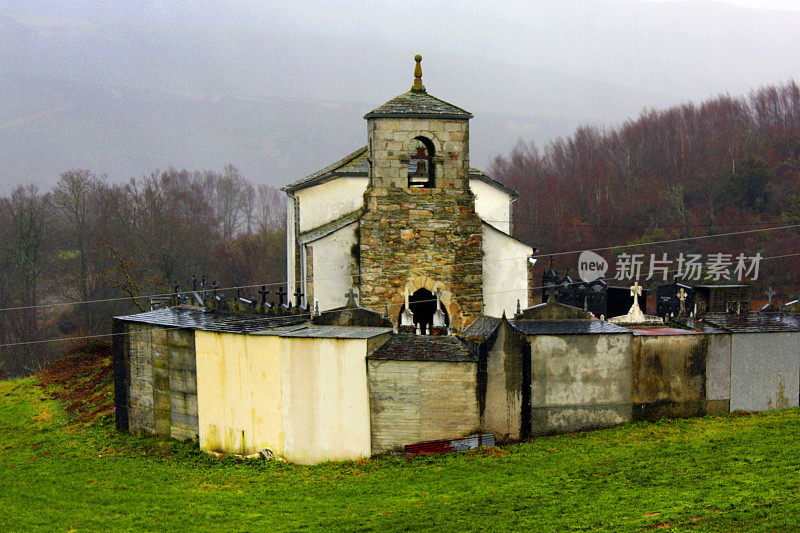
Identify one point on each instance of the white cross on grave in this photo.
(770, 293)
(635, 314)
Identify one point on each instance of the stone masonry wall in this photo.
(162, 389)
(389, 147)
(434, 234)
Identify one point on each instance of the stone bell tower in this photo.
(420, 229)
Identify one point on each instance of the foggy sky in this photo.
(128, 86)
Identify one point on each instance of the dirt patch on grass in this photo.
(83, 381)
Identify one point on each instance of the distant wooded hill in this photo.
(727, 164)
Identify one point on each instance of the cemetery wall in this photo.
(668, 376)
(718, 374)
(765, 371)
(305, 399)
(579, 382)
(161, 380)
(414, 401)
(507, 374)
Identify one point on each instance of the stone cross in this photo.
(770, 293)
(351, 298)
(298, 295)
(682, 294)
(636, 291)
(281, 295)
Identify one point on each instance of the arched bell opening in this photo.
(428, 314)
(421, 168)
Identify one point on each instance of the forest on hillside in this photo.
(74, 256)
(729, 164)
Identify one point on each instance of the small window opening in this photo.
(421, 171)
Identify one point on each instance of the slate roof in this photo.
(567, 327)
(482, 327)
(407, 347)
(353, 164)
(327, 332)
(195, 318)
(662, 332)
(417, 104)
(755, 322)
(700, 325)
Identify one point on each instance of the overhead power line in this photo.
(400, 270)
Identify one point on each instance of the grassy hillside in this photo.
(62, 473)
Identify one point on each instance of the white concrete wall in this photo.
(765, 371)
(325, 399)
(334, 265)
(305, 399)
(330, 201)
(239, 392)
(505, 273)
(492, 205)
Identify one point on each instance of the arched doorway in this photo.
(423, 306)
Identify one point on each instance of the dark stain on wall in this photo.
(668, 376)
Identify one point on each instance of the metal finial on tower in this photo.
(418, 87)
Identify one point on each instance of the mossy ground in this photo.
(70, 472)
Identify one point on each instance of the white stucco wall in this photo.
(330, 201)
(333, 266)
(325, 399)
(492, 205)
(305, 399)
(765, 371)
(505, 273)
(238, 392)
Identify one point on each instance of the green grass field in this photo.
(720, 474)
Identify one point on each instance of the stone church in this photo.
(444, 342)
(408, 223)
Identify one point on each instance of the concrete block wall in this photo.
(162, 381)
(414, 401)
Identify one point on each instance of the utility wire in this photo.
(250, 318)
(415, 268)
